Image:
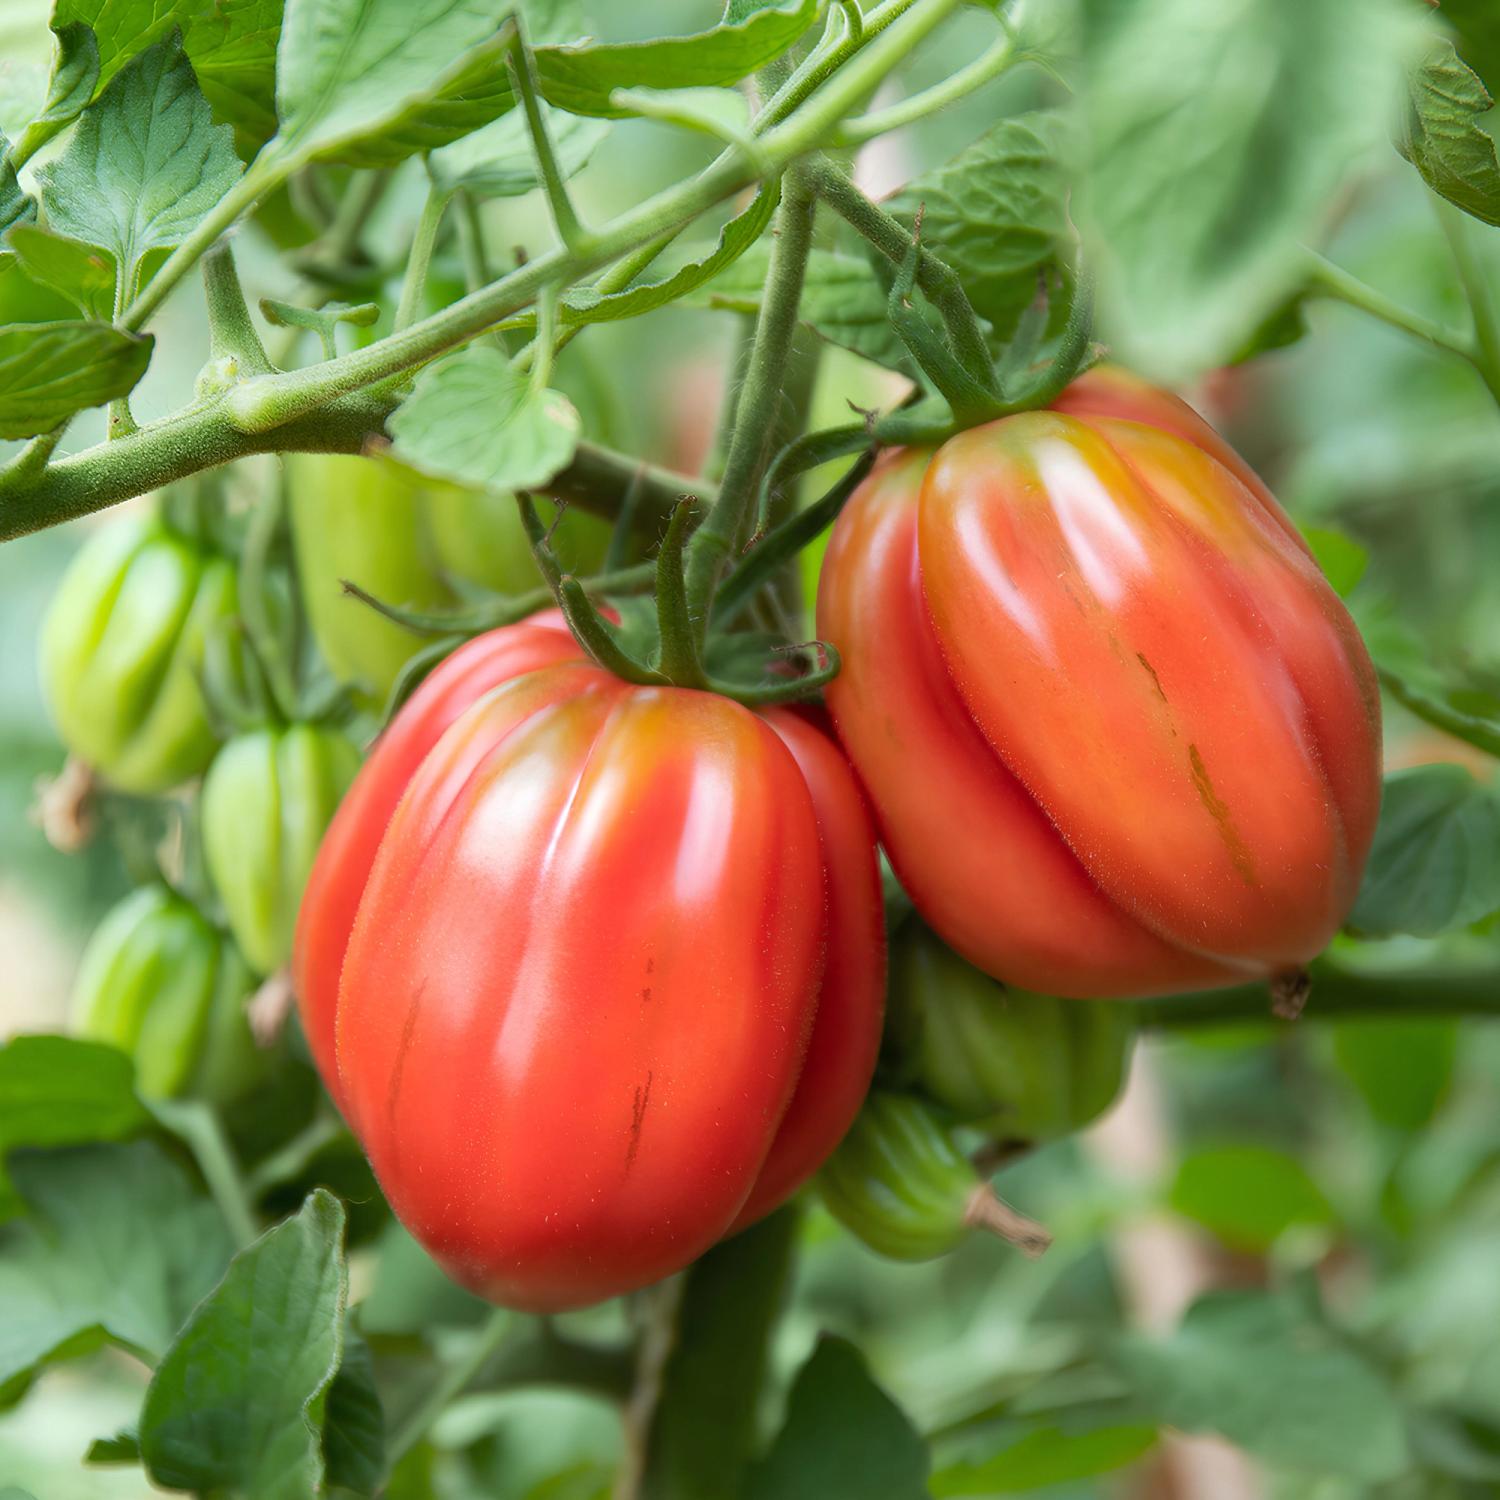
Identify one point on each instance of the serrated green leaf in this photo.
(1215, 140)
(16, 205)
(349, 71)
(498, 162)
(1252, 1368)
(693, 269)
(48, 371)
(581, 78)
(237, 1401)
(354, 1423)
(84, 274)
(232, 47)
(1047, 1455)
(1248, 1195)
(843, 301)
(75, 74)
(1435, 863)
(471, 418)
(118, 1247)
(996, 213)
(1443, 138)
(144, 163)
(843, 1437)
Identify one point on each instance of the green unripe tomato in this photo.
(266, 802)
(1019, 1066)
(122, 648)
(478, 537)
(158, 982)
(363, 520)
(900, 1182)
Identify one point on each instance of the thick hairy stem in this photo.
(760, 394)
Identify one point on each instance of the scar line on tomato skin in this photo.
(1218, 810)
(398, 1071)
(637, 1119)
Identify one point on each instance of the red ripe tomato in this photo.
(614, 971)
(1120, 736)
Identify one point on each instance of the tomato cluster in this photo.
(597, 970)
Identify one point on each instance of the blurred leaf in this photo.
(498, 162)
(118, 1247)
(1401, 1069)
(473, 419)
(1045, 1456)
(1216, 139)
(721, 113)
(1435, 863)
(1443, 138)
(582, 1481)
(82, 273)
(581, 78)
(842, 300)
(238, 1400)
(1282, 327)
(48, 371)
(123, 1448)
(1249, 1196)
(143, 165)
(843, 1437)
(1342, 559)
(1464, 1444)
(1477, 24)
(1250, 1367)
(354, 1423)
(55, 1091)
(410, 1293)
(996, 213)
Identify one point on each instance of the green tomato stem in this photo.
(231, 332)
(419, 260)
(451, 1384)
(1338, 993)
(760, 394)
(564, 217)
(197, 1126)
(1471, 275)
(1481, 733)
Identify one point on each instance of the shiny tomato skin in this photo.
(339, 874)
(580, 984)
(845, 1040)
(1120, 736)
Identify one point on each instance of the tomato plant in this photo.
(745, 640)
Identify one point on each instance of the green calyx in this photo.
(1021, 1067)
(900, 1182)
(159, 982)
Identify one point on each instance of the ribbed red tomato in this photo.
(1120, 735)
(596, 972)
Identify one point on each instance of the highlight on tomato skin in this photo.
(652, 900)
(1147, 730)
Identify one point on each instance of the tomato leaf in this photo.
(82, 273)
(16, 205)
(354, 1423)
(473, 419)
(1402, 1069)
(582, 78)
(1435, 863)
(996, 213)
(123, 1448)
(117, 1248)
(232, 46)
(48, 371)
(1248, 1195)
(1213, 146)
(843, 1437)
(143, 165)
(1443, 138)
(238, 1401)
(1342, 559)
(60, 1091)
(1048, 1454)
(74, 77)
(1288, 1390)
(1476, 23)
(498, 162)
